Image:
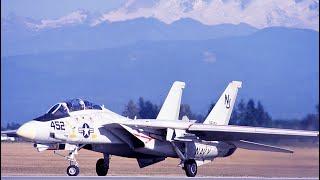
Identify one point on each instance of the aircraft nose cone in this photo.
(27, 130)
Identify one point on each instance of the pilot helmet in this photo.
(65, 107)
(81, 104)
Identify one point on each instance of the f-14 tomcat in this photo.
(78, 124)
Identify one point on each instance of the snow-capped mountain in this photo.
(13, 21)
(78, 17)
(257, 13)
(73, 18)
(111, 34)
(260, 14)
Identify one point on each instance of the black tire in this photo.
(73, 170)
(191, 168)
(101, 169)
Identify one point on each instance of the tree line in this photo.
(248, 113)
(245, 113)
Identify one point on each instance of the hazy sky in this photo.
(39, 9)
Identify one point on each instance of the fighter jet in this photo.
(79, 124)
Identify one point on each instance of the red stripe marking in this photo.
(146, 137)
(190, 125)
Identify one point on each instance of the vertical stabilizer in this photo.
(221, 112)
(171, 106)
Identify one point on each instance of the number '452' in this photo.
(57, 125)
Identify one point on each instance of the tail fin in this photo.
(221, 112)
(171, 106)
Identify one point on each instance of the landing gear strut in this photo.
(102, 165)
(190, 166)
(73, 169)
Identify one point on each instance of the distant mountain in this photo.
(259, 14)
(278, 66)
(14, 22)
(19, 38)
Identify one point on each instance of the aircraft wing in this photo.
(233, 133)
(159, 124)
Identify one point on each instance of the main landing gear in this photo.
(188, 165)
(102, 165)
(191, 168)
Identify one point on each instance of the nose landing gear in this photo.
(73, 169)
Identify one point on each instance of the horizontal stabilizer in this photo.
(233, 133)
(149, 161)
(259, 147)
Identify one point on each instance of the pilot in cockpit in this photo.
(82, 106)
(65, 108)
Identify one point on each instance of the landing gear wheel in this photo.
(191, 168)
(101, 168)
(73, 170)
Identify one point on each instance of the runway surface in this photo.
(145, 178)
(22, 160)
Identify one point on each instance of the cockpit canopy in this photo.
(64, 108)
